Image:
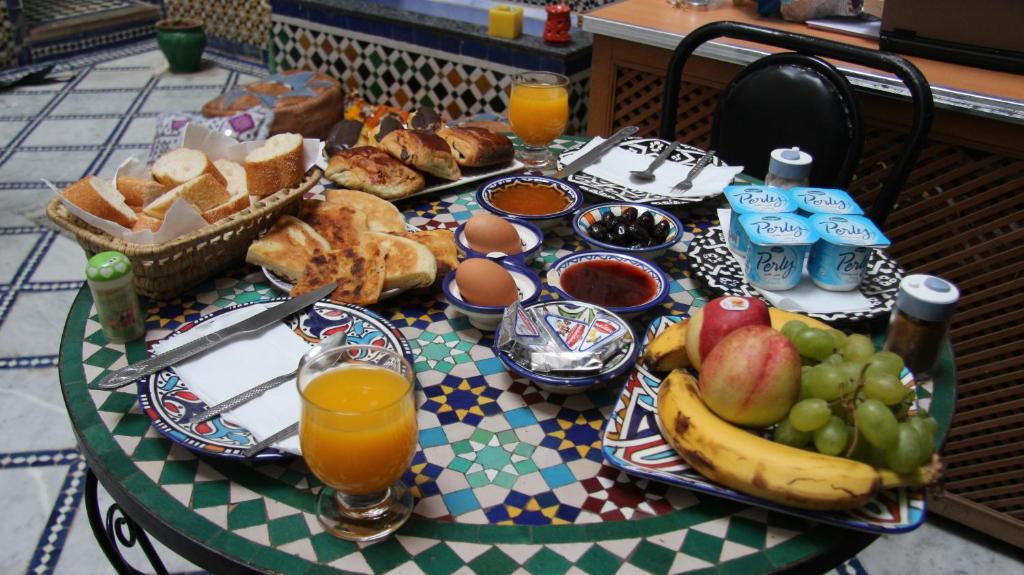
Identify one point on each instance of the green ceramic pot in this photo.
(182, 42)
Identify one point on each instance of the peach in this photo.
(717, 319)
(752, 377)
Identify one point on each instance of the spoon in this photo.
(648, 174)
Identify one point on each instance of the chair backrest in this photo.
(786, 100)
(920, 93)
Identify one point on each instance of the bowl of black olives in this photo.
(638, 229)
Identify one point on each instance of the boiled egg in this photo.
(488, 233)
(485, 283)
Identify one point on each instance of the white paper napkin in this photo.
(229, 369)
(616, 164)
(806, 297)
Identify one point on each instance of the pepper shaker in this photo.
(920, 320)
(788, 168)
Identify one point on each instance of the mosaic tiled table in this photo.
(508, 477)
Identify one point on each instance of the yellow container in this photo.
(505, 22)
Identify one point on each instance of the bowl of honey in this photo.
(542, 201)
(625, 284)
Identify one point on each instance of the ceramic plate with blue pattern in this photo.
(167, 400)
(633, 443)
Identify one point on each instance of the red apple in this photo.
(720, 317)
(752, 377)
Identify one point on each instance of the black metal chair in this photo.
(797, 99)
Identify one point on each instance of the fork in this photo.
(687, 182)
(648, 174)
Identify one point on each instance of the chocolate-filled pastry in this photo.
(424, 151)
(426, 118)
(344, 135)
(475, 147)
(374, 171)
(386, 125)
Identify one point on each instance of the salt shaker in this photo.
(920, 320)
(788, 168)
(112, 284)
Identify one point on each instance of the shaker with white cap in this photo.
(920, 320)
(788, 168)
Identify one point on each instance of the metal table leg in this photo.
(118, 530)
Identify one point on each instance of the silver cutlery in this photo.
(648, 174)
(279, 436)
(132, 373)
(687, 182)
(596, 153)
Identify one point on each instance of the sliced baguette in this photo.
(287, 248)
(138, 192)
(183, 165)
(145, 222)
(235, 175)
(204, 193)
(236, 203)
(407, 264)
(275, 165)
(101, 199)
(381, 215)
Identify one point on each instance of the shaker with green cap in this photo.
(112, 284)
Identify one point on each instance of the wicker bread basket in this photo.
(165, 271)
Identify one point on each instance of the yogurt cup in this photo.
(753, 200)
(837, 260)
(778, 245)
(810, 201)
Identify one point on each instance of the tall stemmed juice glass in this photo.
(358, 434)
(538, 110)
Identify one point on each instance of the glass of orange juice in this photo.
(358, 434)
(538, 109)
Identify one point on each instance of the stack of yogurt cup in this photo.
(775, 230)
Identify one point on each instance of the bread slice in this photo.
(381, 215)
(234, 173)
(183, 165)
(101, 199)
(441, 243)
(287, 247)
(358, 269)
(145, 222)
(236, 203)
(340, 226)
(275, 165)
(204, 193)
(407, 264)
(138, 192)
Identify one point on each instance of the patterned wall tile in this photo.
(386, 71)
(8, 41)
(242, 21)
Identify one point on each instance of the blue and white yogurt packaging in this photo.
(839, 257)
(753, 200)
(778, 245)
(810, 201)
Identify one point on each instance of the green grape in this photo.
(814, 343)
(809, 414)
(884, 387)
(927, 439)
(786, 434)
(851, 370)
(793, 327)
(876, 423)
(929, 421)
(867, 453)
(901, 409)
(886, 362)
(839, 410)
(805, 388)
(907, 452)
(834, 359)
(858, 348)
(838, 337)
(832, 438)
(823, 381)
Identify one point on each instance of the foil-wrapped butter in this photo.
(549, 343)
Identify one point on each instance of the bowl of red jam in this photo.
(625, 284)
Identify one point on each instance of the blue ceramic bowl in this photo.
(485, 317)
(576, 311)
(585, 217)
(531, 238)
(543, 221)
(661, 282)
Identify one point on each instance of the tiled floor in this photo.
(65, 131)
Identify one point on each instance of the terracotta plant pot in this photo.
(182, 42)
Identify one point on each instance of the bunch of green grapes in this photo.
(852, 403)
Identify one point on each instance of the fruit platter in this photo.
(827, 428)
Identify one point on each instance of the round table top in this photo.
(508, 476)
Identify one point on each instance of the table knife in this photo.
(279, 436)
(132, 373)
(596, 153)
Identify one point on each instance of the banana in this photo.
(780, 317)
(756, 466)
